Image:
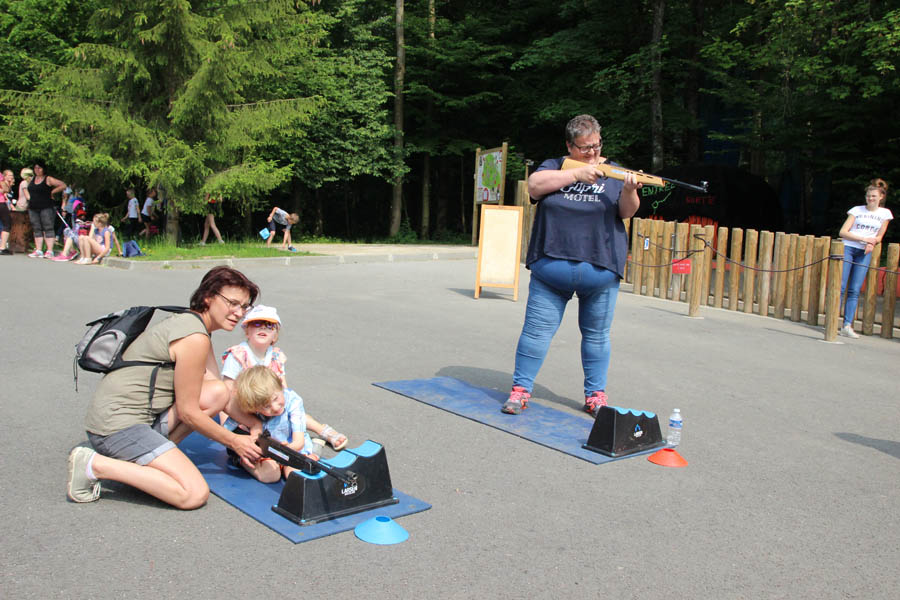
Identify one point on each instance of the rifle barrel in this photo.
(703, 187)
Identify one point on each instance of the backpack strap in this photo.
(168, 364)
(159, 365)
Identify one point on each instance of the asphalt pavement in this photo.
(793, 445)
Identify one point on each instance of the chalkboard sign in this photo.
(499, 246)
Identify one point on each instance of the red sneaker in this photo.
(517, 402)
(593, 402)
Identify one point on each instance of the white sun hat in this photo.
(261, 312)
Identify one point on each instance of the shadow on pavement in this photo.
(887, 446)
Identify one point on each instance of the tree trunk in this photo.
(463, 205)
(440, 217)
(693, 150)
(319, 227)
(399, 74)
(171, 227)
(426, 196)
(656, 113)
(429, 118)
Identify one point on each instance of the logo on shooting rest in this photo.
(349, 489)
(638, 432)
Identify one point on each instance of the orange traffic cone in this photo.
(667, 457)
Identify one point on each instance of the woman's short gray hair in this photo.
(580, 126)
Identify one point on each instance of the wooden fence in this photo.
(779, 275)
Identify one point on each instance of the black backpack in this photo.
(102, 347)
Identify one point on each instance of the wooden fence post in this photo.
(637, 274)
(652, 256)
(750, 273)
(696, 286)
(682, 244)
(782, 247)
(825, 247)
(668, 244)
(890, 292)
(807, 272)
(790, 276)
(833, 291)
(528, 209)
(627, 273)
(820, 252)
(721, 253)
(709, 234)
(767, 238)
(868, 319)
(734, 277)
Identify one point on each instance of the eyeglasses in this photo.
(263, 324)
(589, 147)
(234, 304)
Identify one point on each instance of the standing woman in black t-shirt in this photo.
(578, 246)
(41, 189)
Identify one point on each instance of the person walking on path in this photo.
(209, 223)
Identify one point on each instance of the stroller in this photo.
(79, 225)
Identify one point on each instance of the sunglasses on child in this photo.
(263, 324)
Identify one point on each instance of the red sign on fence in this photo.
(681, 267)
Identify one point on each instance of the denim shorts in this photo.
(139, 443)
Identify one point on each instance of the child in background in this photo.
(81, 226)
(280, 220)
(133, 216)
(148, 214)
(98, 242)
(862, 231)
(258, 391)
(261, 326)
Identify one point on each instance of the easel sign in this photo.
(499, 246)
(490, 180)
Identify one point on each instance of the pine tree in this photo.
(173, 94)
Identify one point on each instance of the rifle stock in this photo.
(608, 170)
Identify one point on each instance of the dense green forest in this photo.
(364, 115)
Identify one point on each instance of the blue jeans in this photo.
(855, 274)
(553, 282)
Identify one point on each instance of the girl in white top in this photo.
(861, 232)
(147, 214)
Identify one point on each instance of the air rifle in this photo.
(609, 170)
(289, 457)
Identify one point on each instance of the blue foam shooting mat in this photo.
(236, 487)
(540, 424)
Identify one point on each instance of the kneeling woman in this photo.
(134, 428)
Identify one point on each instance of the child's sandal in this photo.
(335, 439)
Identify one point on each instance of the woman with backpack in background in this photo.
(135, 419)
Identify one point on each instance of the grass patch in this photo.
(157, 249)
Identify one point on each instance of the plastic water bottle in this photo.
(674, 437)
